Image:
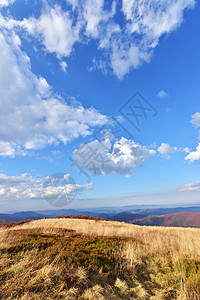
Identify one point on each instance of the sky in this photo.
(99, 103)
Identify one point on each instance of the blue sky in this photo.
(66, 69)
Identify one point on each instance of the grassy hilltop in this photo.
(98, 259)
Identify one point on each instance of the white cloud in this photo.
(6, 149)
(31, 116)
(93, 14)
(6, 2)
(162, 94)
(58, 30)
(166, 149)
(186, 150)
(154, 18)
(55, 30)
(124, 58)
(63, 65)
(98, 64)
(103, 158)
(110, 30)
(147, 21)
(131, 44)
(196, 119)
(27, 187)
(190, 187)
(125, 44)
(194, 155)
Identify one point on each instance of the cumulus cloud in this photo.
(162, 94)
(27, 187)
(194, 155)
(166, 149)
(190, 187)
(103, 158)
(31, 116)
(55, 30)
(125, 45)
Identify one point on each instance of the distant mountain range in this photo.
(177, 216)
(181, 219)
(23, 215)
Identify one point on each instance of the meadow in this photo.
(72, 258)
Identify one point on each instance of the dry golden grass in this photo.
(155, 263)
(156, 239)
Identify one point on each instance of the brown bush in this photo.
(83, 217)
